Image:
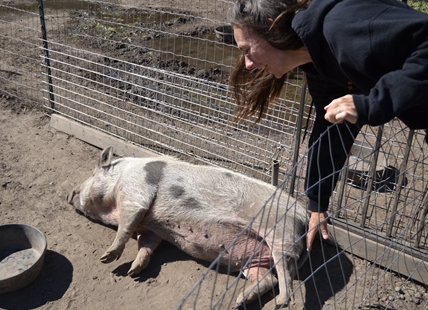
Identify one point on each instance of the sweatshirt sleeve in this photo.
(383, 49)
(397, 92)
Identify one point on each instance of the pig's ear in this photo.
(106, 157)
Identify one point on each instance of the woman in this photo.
(365, 61)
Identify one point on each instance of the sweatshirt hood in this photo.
(309, 26)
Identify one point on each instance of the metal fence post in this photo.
(275, 172)
(298, 135)
(372, 175)
(46, 52)
(400, 182)
(422, 220)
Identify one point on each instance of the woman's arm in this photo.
(329, 146)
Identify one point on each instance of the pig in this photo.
(207, 212)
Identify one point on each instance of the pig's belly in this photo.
(207, 240)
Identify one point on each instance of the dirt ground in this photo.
(39, 166)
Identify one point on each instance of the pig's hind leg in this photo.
(286, 269)
(261, 281)
(147, 243)
(130, 217)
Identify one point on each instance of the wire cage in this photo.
(155, 74)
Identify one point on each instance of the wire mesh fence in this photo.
(156, 74)
(20, 45)
(157, 78)
(371, 224)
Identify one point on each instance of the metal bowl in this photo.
(22, 252)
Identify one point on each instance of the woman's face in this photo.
(259, 53)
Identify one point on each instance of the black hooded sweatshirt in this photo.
(376, 50)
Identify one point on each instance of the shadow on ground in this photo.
(326, 272)
(50, 285)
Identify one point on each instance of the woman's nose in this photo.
(249, 64)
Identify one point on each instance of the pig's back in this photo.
(207, 191)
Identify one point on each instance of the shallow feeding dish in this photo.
(22, 252)
(224, 34)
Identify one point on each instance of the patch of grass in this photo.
(419, 5)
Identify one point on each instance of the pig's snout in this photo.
(70, 197)
(73, 198)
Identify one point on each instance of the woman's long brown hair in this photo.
(255, 89)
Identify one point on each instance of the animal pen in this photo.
(155, 74)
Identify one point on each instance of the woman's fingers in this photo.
(341, 109)
(317, 222)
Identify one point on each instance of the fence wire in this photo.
(155, 74)
(20, 44)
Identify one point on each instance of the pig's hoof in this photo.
(108, 257)
(282, 301)
(134, 270)
(256, 290)
(137, 266)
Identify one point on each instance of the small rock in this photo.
(399, 290)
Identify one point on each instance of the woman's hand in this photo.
(341, 109)
(317, 221)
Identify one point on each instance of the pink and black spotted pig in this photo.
(202, 210)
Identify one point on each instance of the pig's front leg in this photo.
(130, 217)
(147, 243)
